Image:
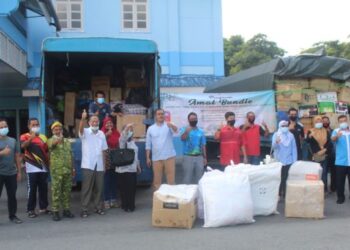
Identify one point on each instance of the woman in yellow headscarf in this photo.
(319, 141)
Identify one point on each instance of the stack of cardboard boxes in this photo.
(312, 97)
(75, 103)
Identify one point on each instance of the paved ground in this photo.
(120, 230)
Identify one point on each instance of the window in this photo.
(134, 15)
(69, 13)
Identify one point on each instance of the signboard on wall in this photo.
(211, 108)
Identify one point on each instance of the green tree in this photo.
(240, 55)
(331, 48)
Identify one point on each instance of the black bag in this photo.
(121, 157)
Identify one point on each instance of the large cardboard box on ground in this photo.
(288, 92)
(324, 85)
(309, 97)
(101, 83)
(139, 127)
(175, 206)
(344, 94)
(305, 199)
(69, 108)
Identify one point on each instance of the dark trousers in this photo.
(284, 177)
(341, 173)
(332, 168)
(37, 182)
(127, 187)
(110, 185)
(10, 182)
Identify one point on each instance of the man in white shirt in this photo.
(159, 141)
(94, 146)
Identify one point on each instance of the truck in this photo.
(69, 64)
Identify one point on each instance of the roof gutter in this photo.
(49, 12)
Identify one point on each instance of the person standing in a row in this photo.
(231, 142)
(10, 169)
(195, 153)
(331, 155)
(159, 141)
(297, 129)
(37, 165)
(251, 133)
(61, 170)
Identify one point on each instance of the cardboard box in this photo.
(101, 83)
(344, 94)
(305, 199)
(285, 106)
(288, 92)
(171, 211)
(115, 94)
(309, 97)
(304, 83)
(322, 84)
(69, 108)
(139, 127)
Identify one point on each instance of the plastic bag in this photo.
(226, 199)
(264, 184)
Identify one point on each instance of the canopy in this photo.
(262, 77)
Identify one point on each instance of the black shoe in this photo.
(56, 216)
(84, 214)
(45, 211)
(67, 214)
(100, 211)
(16, 220)
(32, 214)
(340, 200)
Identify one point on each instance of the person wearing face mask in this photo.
(297, 129)
(285, 151)
(99, 107)
(251, 133)
(318, 139)
(10, 169)
(231, 142)
(341, 138)
(331, 155)
(126, 175)
(94, 152)
(194, 150)
(110, 179)
(61, 170)
(36, 159)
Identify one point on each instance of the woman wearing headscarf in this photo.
(285, 151)
(319, 143)
(110, 178)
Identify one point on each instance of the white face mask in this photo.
(319, 125)
(35, 130)
(4, 131)
(284, 130)
(94, 129)
(343, 125)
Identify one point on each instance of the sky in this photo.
(293, 24)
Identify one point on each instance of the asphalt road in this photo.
(120, 230)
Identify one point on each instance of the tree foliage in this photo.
(331, 48)
(241, 54)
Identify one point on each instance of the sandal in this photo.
(100, 212)
(84, 214)
(32, 214)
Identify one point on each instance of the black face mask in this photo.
(231, 123)
(193, 123)
(251, 120)
(292, 118)
(326, 125)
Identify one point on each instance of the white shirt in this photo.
(93, 146)
(33, 169)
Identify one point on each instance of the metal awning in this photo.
(99, 44)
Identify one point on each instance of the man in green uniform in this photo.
(61, 172)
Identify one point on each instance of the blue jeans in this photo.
(254, 160)
(110, 185)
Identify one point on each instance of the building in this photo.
(188, 34)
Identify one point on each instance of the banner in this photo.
(211, 108)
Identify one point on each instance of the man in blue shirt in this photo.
(194, 146)
(341, 138)
(99, 107)
(159, 141)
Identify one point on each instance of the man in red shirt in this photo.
(231, 141)
(251, 134)
(37, 165)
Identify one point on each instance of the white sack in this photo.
(182, 193)
(264, 184)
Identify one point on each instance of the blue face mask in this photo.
(130, 134)
(284, 130)
(319, 125)
(343, 125)
(4, 131)
(100, 100)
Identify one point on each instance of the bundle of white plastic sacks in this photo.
(238, 194)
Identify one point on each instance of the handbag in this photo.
(121, 157)
(316, 157)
